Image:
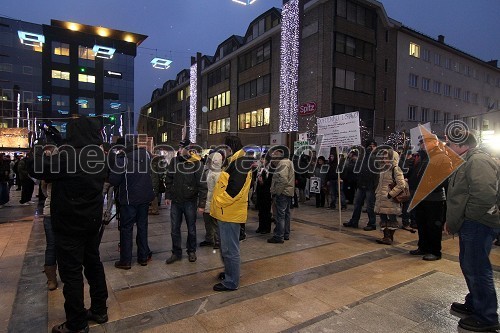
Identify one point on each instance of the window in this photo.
(180, 95)
(424, 116)
(86, 78)
(467, 96)
(437, 59)
(60, 100)
(60, 75)
(85, 53)
(61, 49)
(457, 92)
(27, 70)
(257, 118)
(486, 125)
(473, 123)
(412, 112)
(414, 50)
(353, 81)
(456, 66)
(447, 90)
(219, 126)
(467, 70)
(164, 137)
(456, 117)
(475, 98)
(426, 84)
(218, 75)
(426, 55)
(413, 80)
(254, 88)
(219, 100)
(435, 116)
(27, 97)
(446, 118)
(255, 57)
(354, 47)
(437, 87)
(447, 63)
(6, 67)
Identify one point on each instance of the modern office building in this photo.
(67, 69)
(351, 57)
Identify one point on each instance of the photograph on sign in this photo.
(315, 185)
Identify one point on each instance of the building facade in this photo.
(66, 69)
(352, 57)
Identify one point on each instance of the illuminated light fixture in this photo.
(103, 32)
(103, 51)
(73, 26)
(43, 98)
(129, 38)
(114, 105)
(161, 63)
(289, 73)
(193, 86)
(82, 101)
(247, 2)
(63, 111)
(31, 39)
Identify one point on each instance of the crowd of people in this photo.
(223, 185)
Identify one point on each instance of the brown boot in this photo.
(387, 239)
(50, 272)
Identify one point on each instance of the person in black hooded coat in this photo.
(77, 173)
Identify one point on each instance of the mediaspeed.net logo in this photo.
(443, 161)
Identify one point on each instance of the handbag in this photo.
(402, 196)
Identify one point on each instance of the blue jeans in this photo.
(177, 209)
(130, 214)
(230, 253)
(50, 248)
(359, 198)
(282, 228)
(4, 193)
(475, 242)
(334, 189)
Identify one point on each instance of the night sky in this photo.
(177, 29)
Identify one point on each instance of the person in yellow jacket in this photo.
(230, 206)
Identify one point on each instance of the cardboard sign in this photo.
(315, 185)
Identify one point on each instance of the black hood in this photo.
(83, 131)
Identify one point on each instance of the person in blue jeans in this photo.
(131, 174)
(473, 212)
(185, 190)
(367, 180)
(282, 189)
(230, 207)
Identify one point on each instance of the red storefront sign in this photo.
(307, 109)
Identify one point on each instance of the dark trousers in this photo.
(28, 186)
(188, 209)
(265, 213)
(74, 254)
(130, 215)
(430, 217)
(475, 243)
(320, 199)
(359, 199)
(211, 229)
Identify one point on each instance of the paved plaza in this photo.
(324, 279)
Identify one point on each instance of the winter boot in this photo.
(50, 272)
(391, 234)
(387, 239)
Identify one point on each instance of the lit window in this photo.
(60, 75)
(415, 50)
(164, 137)
(267, 116)
(61, 49)
(86, 78)
(85, 53)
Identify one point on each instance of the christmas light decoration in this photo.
(289, 73)
(193, 85)
(161, 63)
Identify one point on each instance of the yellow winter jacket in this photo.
(230, 197)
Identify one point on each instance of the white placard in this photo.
(315, 185)
(416, 135)
(340, 130)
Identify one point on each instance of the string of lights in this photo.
(193, 86)
(289, 73)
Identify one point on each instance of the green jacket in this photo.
(283, 182)
(472, 192)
